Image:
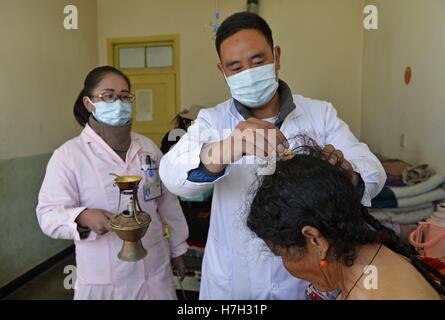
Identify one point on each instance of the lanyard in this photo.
(148, 166)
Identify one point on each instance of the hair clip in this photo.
(288, 154)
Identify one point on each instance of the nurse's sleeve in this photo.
(58, 203)
(171, 214)
(363, 161)
(180, 167)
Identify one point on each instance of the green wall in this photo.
(22, 243)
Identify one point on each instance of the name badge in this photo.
(152, 185)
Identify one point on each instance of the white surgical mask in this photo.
(116, 113)
(254, 87)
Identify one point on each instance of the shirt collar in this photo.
(287, 105)
(117, 137)
(88, 135)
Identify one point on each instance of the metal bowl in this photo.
(127, 182)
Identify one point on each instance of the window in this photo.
(145, 57)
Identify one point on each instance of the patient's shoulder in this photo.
(396, 279)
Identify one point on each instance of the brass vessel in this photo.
(131, 224)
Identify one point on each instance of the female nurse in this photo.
(77, 198)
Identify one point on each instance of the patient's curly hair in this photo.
(308, 191)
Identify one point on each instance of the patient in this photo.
(310, 215)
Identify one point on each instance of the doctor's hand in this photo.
(95, 219)
(336, 157)
(251, 137)
(179, 267)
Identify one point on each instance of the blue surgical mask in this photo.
(116, 113)
(254, 87)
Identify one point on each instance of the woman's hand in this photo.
(179, 267)
(95, 219)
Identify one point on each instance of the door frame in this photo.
(159, 40)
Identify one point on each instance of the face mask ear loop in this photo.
(276, 72)
(94, 112)
(225, 77)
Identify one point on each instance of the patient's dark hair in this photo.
(92, 80)
(308, 191)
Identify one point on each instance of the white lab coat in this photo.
(237, 264)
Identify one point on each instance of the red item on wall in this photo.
(408, 75)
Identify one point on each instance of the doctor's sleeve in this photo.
(363, 161)
(58, 202)
(181, 165)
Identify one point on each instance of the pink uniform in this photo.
(77, 178)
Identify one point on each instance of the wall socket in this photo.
(403, 140)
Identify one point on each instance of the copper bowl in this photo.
(126, 183)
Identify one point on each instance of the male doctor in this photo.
(237, 265)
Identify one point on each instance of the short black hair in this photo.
(242, 21)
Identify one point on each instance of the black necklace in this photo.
(361, 275)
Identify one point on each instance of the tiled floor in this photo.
(49, 285)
